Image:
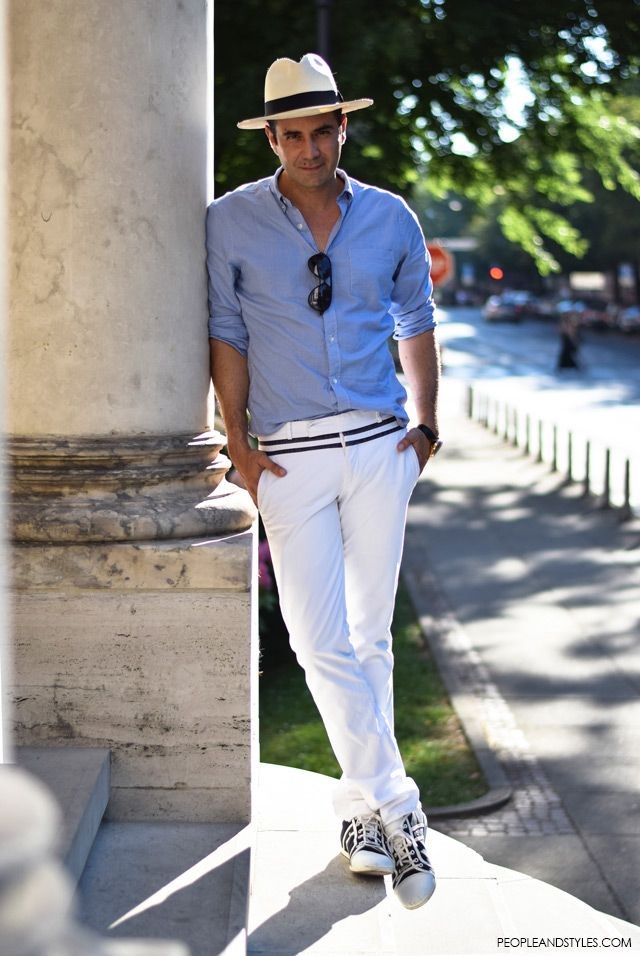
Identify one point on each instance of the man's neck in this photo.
(316, 200)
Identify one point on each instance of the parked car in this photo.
(543, 307)
(629, 319)
(507, 307)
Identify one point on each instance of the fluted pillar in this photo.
(133, 558)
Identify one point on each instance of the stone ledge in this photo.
(187, 564)
(123, 488)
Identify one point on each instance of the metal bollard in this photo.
(587, 468)
(626, 512)
(516, 428)
(606, 494)
(540, 436)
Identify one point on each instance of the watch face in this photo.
(435, 448)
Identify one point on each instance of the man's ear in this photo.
(272, 140)
(343, 130)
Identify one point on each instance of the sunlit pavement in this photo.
(305, 900)
(532, 594)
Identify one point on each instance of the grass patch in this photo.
(433, 745)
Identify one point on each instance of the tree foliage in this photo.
(443, 74)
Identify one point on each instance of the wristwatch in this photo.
(436, 441)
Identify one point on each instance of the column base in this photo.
(134, 578)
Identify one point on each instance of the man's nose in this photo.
(311, 149)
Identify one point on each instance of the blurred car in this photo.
(589, 313)
(629, 319)
(543, 307)
(508, 307)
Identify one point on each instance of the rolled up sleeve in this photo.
(225, 315)
(412, 307)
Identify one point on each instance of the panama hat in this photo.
(300, 89)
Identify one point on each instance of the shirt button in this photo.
(300, 225)
(335, 380)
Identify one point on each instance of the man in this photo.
(310, 272)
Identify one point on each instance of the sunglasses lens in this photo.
(321, 266)
(320, 297)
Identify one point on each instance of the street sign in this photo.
(442, 265)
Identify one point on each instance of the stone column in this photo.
(134, 555)
(5, 746)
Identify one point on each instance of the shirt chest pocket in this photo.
(371, 274)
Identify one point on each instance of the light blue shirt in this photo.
(303, 364)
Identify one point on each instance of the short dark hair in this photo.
(272, 124)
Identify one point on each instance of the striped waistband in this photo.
(351, 436)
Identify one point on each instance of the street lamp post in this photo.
(323, 27)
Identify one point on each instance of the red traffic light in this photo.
(496, 273)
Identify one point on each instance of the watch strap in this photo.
(430, 434)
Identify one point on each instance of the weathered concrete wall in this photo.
(144, 648)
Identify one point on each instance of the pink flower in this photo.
(264, 566)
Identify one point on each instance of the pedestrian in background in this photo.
(569, 329)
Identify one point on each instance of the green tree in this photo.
(442, 74)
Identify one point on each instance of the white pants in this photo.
(335, 525)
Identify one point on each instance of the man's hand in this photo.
(421, 445)
(250, 463)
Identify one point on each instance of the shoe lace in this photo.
(406, 848)
(372, 828)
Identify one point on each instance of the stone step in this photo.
(78, 778)
(182, 881)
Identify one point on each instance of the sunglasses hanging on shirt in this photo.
(320, 296)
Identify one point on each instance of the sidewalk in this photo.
(530, 596)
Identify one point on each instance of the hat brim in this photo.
(259, 122)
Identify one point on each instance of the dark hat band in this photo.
(300, 100)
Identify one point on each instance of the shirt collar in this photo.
(346, 193)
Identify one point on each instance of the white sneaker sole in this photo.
(369, 863)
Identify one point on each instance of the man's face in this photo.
(309, 148)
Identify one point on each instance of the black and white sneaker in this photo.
(413, 879)
(364, 844)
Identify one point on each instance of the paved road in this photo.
(515, 363)
(531, 347)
